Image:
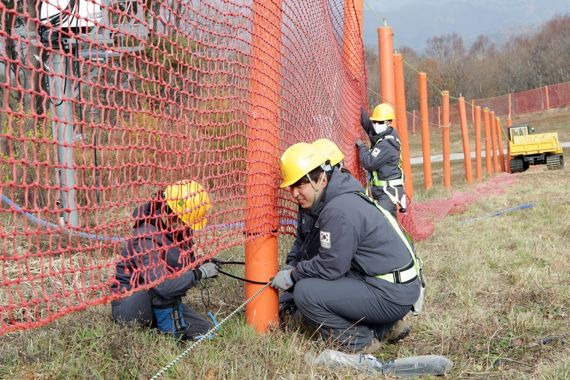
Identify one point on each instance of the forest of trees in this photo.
(484, 69)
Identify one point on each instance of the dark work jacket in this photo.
(306, 243)
(356, 237)
(383, 157)
(153, 253)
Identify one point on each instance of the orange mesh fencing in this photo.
(535, 100)
(105, 102)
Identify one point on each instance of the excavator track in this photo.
(517, 165)
(554, 162)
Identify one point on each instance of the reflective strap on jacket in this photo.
(388, 182)
(402, 276)
(394, 223)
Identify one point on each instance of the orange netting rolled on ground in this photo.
(420, 219)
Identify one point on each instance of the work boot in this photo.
(289, 316)
(371, 347)
(399, 331)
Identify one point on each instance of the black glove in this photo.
(365, 121)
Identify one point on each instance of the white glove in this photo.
(282, 280)
(208, 270)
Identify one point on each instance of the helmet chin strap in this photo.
(316, 186)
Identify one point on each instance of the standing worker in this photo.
(365, 276)
(383, 160)
(161, 246)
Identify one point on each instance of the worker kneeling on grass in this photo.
(160, 246)
(365, 276)
(306, 244)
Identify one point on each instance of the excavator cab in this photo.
(529, 148)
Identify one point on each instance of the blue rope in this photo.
(40, 222)
(522, 206)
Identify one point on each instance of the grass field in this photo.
(497, 304)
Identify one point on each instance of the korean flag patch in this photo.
(375, 152)
(325, 239)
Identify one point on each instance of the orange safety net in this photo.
(106, 102)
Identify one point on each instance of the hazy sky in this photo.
(415, 21)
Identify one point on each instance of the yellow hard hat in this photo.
(330, 150)
(382, 112)
(189, 201)
(297, 161)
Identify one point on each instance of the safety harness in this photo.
(412, 270)
(392, 183)
(376, 181)
(409, 272)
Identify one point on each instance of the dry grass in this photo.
(497, 300)
(497, 305)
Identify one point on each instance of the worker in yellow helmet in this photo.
(383, 160)
(364, 278)
(306, 244)
(331, 151)
(160, 246)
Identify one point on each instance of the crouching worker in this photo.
(160, 246)
(364, 277)
(306, 244)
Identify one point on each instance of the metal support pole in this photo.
(61, 93)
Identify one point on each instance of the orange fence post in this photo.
(473, 113)
(478, 164)
(500, 139)
(509, 123)
(386, 57)
(261, 219)
(494, 141)
(465, 138)
(546, 97)
(414, 122)
(426, 150)
(510, 105)
(445, 137)
(402, 121)
(488, 164)
(354, 63)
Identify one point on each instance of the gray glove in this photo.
(282, 280)
(208, 270)
(360, 144)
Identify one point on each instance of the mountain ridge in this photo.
(497, 20)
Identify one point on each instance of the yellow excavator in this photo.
(529, 148)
